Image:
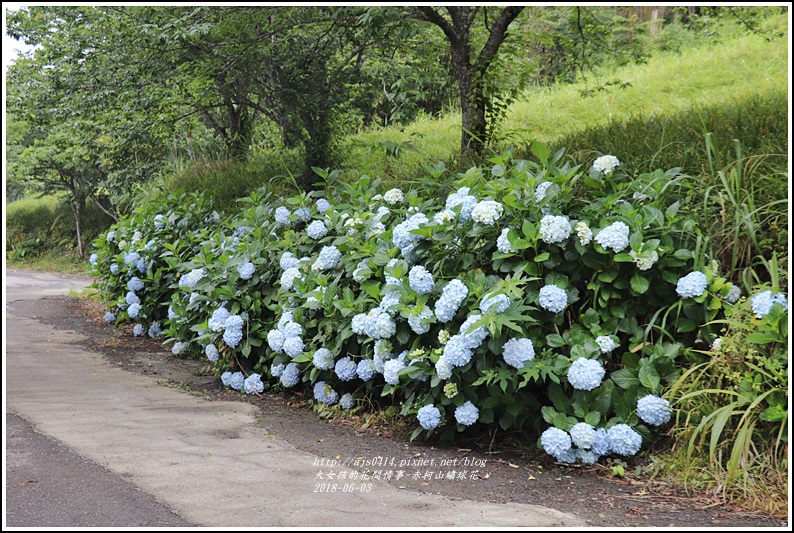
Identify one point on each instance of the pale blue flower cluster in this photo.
(402, 236)
(451, 297)
(503, 243)
(317, 230)
(467, 414)
(178, 347)
(172, 315)
(734, 293)
(601, 444)
(234, 380)
(444, 368)
(463, 199)
(366, 369)
(420, 280)
(131, 257)
(552, 298)
(585, 374)
(323, 205)
(233, 332)
(286, 337)
(459, 348)
(346, 401)
(154, 330)
(376, 324)
(246, 269)
(329, 257)
(606, 343)
(624, 440)
(114, 268)
(346, 369)
(217, 321)
(134, 310)
(763, 301)
(614, 237)
(288, 261)
(140, 264)
(555, 229)
(211, 351)
(654, 410)
(277, 369)
(516, 352)
(323, 359)
(304, 213)
(420, 322)
(191, 278)
(253, 384)
(541, 190)
(692, 285)
(606, 164)
(390, 369)
(93, 259)
(583, 435)
(132, 298)
(159, 221)
(323, 393)
(293, 346)
(555, 441)
(487, 212)
(110, 317)
(110, 236)
(290, 375)
(429, 416)
(288, 278)
(393, 196)
(137, 330)
(497, 303)
(282, 215)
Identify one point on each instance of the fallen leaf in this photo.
(511, 465)
(531, 477)
(23, 483)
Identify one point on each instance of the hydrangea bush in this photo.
(531, 295)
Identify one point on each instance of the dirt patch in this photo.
(507, 470)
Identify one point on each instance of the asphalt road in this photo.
(114, 448)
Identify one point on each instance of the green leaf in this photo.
(548, 413)
(648, 377)
(593, 418)
(542, 257)
(625, 378)
(640, 284)
(554, 340)
(760, 338)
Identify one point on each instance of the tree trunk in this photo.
(472, 100)
(78, 223)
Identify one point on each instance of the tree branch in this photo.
(497, 36)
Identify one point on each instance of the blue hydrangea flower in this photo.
(601, 443)
(276, 370)
(282, 215)
(366, 369)
(234, 331)
(390, 369)
(132, 298)
(585, 374)
(420, 280)
(253, 384)
(583, 435)
(606, 164)
(734, 293)
(402, 236)
(516, 352)
(497, 303)
(467, 414)
(275, 339)
(288, 261)
(317, 230)
(237, 381)
(451, 297)
(140, 264)
(246, 269)
(555, 441)
(487, 212)
(457, 351)
(114, 268)
(172, 314)
(587, 457)
(358, 323)
(555, 229)
(93, 259)
(304, 213)
(420, 323)
(211, 351)
(763, 301)
(463, 199)
(346, 369)
(293, 346)
(541, 189)
(323, 359)
(134, 310)
(154, 330)
(323, 393)
(178, 347)
(568, 456)
(614, 237)
(654, 410)
(110, 317)
(692, 285)
(191, 278)
(131, 257)
(151, 244)
(606, 343)
(552, 298)
(429, 416)
(389, 301)
(137, 330)
(329, 257)
(225, 377)
(443, 368)
(217, 321)
(503, 243)
(346, 401)
(624, 440)
(288, 278)
(290, 375)
(323, 205)
(474, 337)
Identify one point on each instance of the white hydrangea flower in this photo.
(393, 196)
(487, 212)
(554, 229)
(615, 236)
(503, 243)
(606, 164)
(583, 232)
(644, 263)
(541, 189)
(444, 217)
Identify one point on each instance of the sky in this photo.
(10, 46)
